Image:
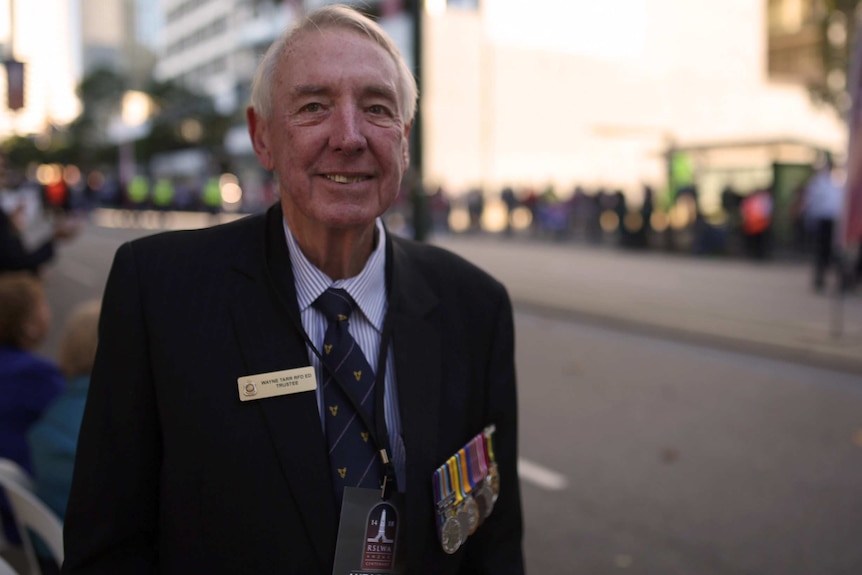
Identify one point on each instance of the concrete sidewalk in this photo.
(760, 308)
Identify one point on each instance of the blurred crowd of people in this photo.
(35, 216)
(747, 226)
(63, 190)
(30, 224)
(42, 399)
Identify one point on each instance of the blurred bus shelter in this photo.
(711, 185)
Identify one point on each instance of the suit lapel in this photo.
(265, 314)
(417, 344)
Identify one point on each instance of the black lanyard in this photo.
(377, 429)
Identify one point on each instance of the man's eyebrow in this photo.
(378, 90)
(381, 90)
(309, 90)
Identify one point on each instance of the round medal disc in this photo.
(451, 535)
(493, 480)
(484, 500)
(472, 511)
(463, 517)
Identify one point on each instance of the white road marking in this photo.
(541, 476)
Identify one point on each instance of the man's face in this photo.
(336, 139)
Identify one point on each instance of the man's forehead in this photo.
(316, 59)
(331, 46)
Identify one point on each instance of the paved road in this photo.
(677, 459)
(654, 455)
(763, 308)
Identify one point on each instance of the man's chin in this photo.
(348, 220)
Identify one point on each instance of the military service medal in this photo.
(479, 471)
(465, 490)
(451, 535)
(462, 509)
(493, 478)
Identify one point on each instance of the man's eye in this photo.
(377, 109)
(312, 107)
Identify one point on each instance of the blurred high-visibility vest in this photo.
(212, 193)
(163, 193)
(138, 190)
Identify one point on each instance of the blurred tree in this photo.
(101, 93)
(22, 151)
(839, 21)
(181, 119)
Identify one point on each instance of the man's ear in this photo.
(257, 130)
(405, 160)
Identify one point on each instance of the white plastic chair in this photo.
(6, 569)
(33, 515)
(14, 472)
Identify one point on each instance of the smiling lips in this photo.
(339, 179)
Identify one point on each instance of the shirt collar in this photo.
(368, 288)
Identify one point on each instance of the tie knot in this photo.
(336, 304)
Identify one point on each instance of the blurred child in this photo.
(28, 382)
(54, 438)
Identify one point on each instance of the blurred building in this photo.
(106, 33)
(561, 93)
(601, 94)
(119, 35)
(61, 41)
(44, 35)
(597, 93)
(211, 46)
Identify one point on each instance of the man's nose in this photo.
(347, 133)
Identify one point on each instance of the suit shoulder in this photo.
(227, 233)
(443, 267)
(182, 249)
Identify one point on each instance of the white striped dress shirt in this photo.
(368, 290)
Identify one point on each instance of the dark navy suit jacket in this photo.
(175, 475)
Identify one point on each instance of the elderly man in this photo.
(300, 392)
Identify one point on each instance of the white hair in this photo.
(332, 16)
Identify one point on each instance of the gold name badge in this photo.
(276, 383)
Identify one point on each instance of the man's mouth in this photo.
(339, 179)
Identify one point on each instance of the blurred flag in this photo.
(14, 84)
(853, 196)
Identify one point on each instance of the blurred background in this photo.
(634, 171)
(561, 118)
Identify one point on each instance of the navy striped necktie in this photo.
(352, 456)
